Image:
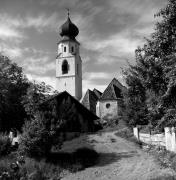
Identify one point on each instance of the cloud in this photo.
(11, 51)
(98, 75)
(42, 22)
(38, 65)
(9, 33)
(48, 80)
(12, 26)
(110, 31)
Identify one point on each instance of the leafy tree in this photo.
(155, 70)
(35, 95)
(134, 108)
(13, 85)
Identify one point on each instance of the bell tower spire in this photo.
(68, 61)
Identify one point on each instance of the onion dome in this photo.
(69, 29)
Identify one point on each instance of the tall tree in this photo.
(13, 85)
(155, 69)
(36, 94)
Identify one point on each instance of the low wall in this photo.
(156, 139)
(167, 139)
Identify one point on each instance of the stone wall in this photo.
(167, 139)
(108, 109)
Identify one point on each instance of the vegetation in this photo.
(13, 85)
(5, 145)
(19, 98)
(36, 94)
(151, 98)
(36, 138)
(55, 166)
(127, 133)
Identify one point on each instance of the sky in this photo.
(109, 33)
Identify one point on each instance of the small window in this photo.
(65, 49)
(77, 69)
(65, 67)
(72, 49)
(108, 105)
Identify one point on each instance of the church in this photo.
(69, 77)
(68, 61)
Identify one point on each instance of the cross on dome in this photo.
(69, 29)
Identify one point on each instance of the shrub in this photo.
(124, 133)
(35, 140)
(5, 145)
(30, 169)
(6, 161)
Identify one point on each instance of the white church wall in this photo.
(108, 109)
(66, 84)
(71, 68)
(69, 74)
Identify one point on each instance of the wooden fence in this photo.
(167, 139)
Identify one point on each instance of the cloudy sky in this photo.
(110, 31)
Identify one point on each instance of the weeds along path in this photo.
(121, 160)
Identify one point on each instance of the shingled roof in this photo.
(77, 118)
(113, 91)
(90, 99)
(97, 93)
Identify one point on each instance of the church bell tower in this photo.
(68, 61)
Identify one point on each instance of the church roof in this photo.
(113, 91)
(97, 93)
(90, 100)
(69, 29)
(67, 108)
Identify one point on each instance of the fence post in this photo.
(136, 132)
(168, 138)
(173, 140)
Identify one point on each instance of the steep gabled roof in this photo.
(90, 100)
(113, 91)
(97, 93)
(65, 107)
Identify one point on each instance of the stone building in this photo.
(73, 115)
(90, 99)
(66, 105)
(107, 104)
(69, 77)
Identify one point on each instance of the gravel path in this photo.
(121, 160)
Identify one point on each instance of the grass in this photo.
(55, 165)
(164, 157)
(127, 133)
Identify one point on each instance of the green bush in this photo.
(35, 140)
(30, 169)
(41, 169)
(5, 145)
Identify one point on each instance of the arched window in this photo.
(72, 49)
(64, 48)
(65, 67)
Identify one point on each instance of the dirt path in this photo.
(121, 160)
